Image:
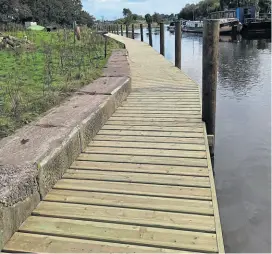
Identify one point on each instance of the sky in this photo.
(112, 9)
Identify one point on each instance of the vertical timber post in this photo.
(127, 31)
(142, 32)
(106, 45)
(117, 29)
(132, 31)
(162, 47)
(178, 44)
(122, 30)
(150, 34)
(209, 77)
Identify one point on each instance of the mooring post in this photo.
(150, 34)
(122, 30)
(142, 32)
(234, 32)
(178, 44)
(127, 31)
(162, 48)
(132, 31)
(209, 77)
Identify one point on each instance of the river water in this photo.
(243, 135)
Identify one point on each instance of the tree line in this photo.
(44, 12)
(129, 17)
(195, 11)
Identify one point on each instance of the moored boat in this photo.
(225, 26)
(171, 27)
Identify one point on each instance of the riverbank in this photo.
(35, 78)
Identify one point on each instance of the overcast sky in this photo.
(112, 9)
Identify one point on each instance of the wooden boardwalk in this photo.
(144, 184)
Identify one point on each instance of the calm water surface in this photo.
(243, 135)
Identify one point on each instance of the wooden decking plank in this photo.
(202, 207)
(156, 115)
(172, 140)
(146, 152)
(149, 145)
(154, 123)
(128, 216)
(152, 190)
(139, 159)
(155, 112)
(154, 108)
(151, 133)
(140, 168)
(117, 233)
(38, 243)
(154, 119)
(165, 99)
(159, 103)
(153, 128)
(137, 178)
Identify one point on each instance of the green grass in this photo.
(38, 77)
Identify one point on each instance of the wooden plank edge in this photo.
(218, 227)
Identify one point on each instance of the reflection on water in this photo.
(243, 134)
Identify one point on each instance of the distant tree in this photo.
(127, 12)
(156, 17)
(86, 19)
(265, 6)
(148, 18)
(134, 17)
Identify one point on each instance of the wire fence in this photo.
(45, 68)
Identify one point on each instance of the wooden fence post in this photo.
(117, 27)
(106, 45)
(150, 34)
(127, 31)
(209, 77)
(132, 31)
(162, 47)
(142, 32)
(178, 44)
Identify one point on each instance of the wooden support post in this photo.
(178, 44)
(132, 31)
(234, 32)
(209, 75)
(127, 31)
(162, 48)
(122, 30)
(117, 29)
(142, 32)
(150, 34)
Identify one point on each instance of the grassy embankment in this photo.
(36, 78)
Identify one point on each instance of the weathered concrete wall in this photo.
(36, 156)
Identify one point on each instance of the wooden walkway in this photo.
(145, 183)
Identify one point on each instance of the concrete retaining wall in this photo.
(36, 156)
